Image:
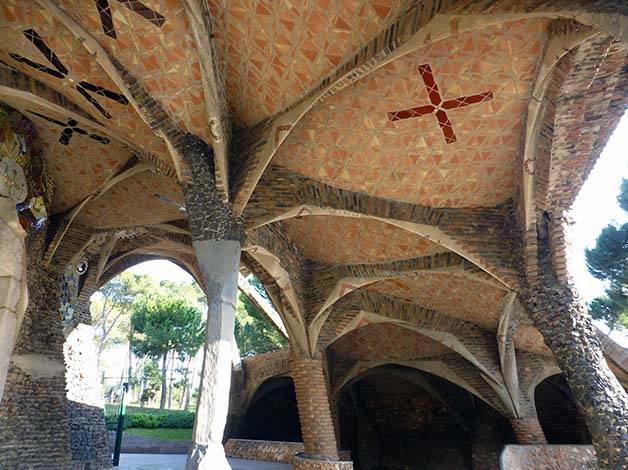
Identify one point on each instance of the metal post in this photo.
(120, 429)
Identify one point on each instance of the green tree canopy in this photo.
(253, 332)
(164, 323)
(608, 261)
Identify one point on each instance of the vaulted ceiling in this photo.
(379, 146)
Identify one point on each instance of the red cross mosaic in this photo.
(438, 107)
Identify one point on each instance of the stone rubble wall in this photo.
(554, 457)
(263, 450)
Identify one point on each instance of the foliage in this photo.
(254, 333)
(111, 308)
(147, 418)
(608, 261)
(165, 323)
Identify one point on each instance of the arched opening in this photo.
(272, 414)
(560, 419)
(395, 417)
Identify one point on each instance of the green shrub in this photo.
(150, 419)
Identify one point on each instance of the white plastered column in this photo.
(219, 262)
(13, 292)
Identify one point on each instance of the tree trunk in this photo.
(170, 381)
(164, 373)
(569, 332)
(130, 357)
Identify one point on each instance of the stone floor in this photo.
(177, 462)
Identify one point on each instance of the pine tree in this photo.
(608, 261)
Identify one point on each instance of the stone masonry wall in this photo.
(270, 451)
(544, 456)
(34, 410)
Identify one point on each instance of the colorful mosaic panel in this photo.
(346, 240)
(386, 341)
(35, 43)
(133, 202)
(274, 52)
(450, 294)
(78, 168)
(457, 110)
(152, 39)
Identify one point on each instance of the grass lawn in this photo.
(165, 434)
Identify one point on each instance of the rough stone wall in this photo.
(89, 444)
(554, 457)
(306, 463)
(34, 429)
(263, 450)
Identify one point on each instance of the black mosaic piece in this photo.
(58, 70)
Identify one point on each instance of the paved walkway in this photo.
(177, 462)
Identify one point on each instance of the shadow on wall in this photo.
(560, 419)
(272, 414)
(418, 420)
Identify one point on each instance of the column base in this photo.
(305, 462)
(207, 457)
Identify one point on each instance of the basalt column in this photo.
(319, 439)
(217, 237)
(568, 331)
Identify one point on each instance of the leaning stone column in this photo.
(13, 297)
(317, 428)
(34, 430)
(568, 331)
(217, 236)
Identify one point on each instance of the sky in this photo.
(595, 207)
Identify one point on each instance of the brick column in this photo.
(528, 430)
(314, 412)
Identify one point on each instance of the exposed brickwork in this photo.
(528, 430)
(314, 411)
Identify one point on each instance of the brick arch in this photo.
(444, 338)
(356, 374)
(133, 259)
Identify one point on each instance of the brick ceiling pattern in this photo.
(386, 341)
(78, 168)
(351, 141)
(133, 202)
(53, 48)
(528, 338)
(450, 294)
(154, 43)
(348, 240)
(273, 52)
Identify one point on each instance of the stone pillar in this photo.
(528, 430)
(34, 431)
(314, 411)
(219, 261)
(13, 296)
(568, 331)
(217, 238)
